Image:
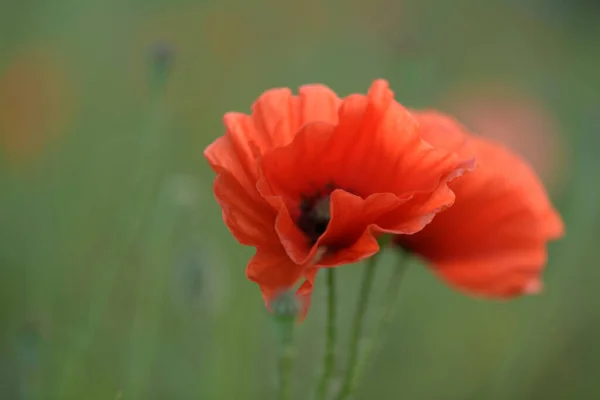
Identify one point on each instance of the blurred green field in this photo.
(119, 279)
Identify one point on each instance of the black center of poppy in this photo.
(314, 215)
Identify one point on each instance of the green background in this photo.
(119, 279)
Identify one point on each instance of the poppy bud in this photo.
(286, 305)
(161, 58)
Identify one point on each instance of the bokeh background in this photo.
(118, 279)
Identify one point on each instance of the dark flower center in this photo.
(314, 214)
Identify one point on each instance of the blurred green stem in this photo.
(156, 237)
(349, 382)
(286, 356)
(329, 358)
(151, 291)
(384, 312)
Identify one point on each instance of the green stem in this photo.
(349, 382)
(286, 357)
(329, 358)
(384, 312)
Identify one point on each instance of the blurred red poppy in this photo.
(312, 180)
(492, 241)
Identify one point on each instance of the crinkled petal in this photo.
(250, 219)
(318, 103)
(276, 117)
(444, 132)
(274, 272)
(380, 149)
(301, 168)
(352, 226)
(233, 152)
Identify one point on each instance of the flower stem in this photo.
(349, 382)
(329, 358)
(384, 312)
(286, 357)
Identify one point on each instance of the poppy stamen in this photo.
(314, 216)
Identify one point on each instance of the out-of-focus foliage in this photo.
(119, 279)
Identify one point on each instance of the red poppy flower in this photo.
(492, 241)
(313, 179)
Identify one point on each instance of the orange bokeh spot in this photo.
(35, 104)
(517, 120)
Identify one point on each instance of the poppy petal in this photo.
(249, 219)
(502, 277)
(275, 118)
(380, 149)
(300, 161)
(444, 132)
(273, 271)
(277, 114)
(415, 214)
(318, 103)
(524, 181)
(234, 152)
(352, 226)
